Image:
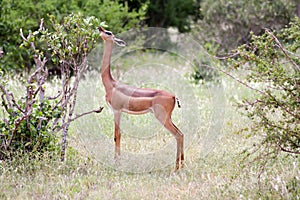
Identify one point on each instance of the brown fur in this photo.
(128, 99)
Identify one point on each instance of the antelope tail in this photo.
(178, 102)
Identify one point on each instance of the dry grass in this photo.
(212, 171)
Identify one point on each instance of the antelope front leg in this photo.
(117, 137)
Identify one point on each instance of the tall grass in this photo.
(215, 166)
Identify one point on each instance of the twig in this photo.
(17, 124)
(286, 150)
(6, 94)
(236, 79)
(282, 49)
(42, 25)
(99, 110)
(87, 113)
(22, 35)
(54, 97)
(15, 103)
(227, 56)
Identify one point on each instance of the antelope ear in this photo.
(119, 42)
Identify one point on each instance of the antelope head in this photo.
(109, 36)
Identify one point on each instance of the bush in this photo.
(30, 122)
(274, 73)
(26, 14)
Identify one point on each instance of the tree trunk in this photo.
(298, 8)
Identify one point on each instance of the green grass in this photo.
(214, 168)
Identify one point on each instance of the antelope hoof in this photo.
(176, 168)
(182, 165)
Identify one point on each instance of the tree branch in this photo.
(87, 113)
(6, 94)
(282, 49)
(236, 79)
(286, 150)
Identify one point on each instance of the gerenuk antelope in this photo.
(132, 100)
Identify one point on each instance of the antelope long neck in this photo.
(107, 78)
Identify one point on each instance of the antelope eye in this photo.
(108, 33)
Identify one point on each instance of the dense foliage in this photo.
(272, 62)
(26, 14)
(28, 121)
(160, 13)
(178, 13)
(28, 125)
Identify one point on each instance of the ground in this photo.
(215, 165)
